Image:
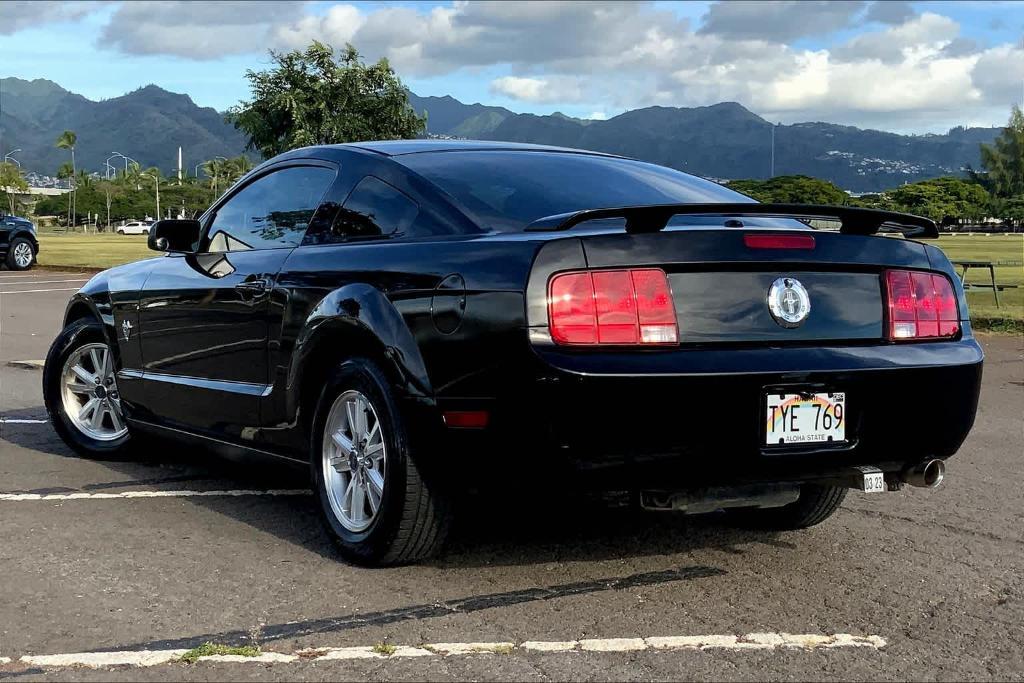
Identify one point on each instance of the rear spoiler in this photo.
(854, 221)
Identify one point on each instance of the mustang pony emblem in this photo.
(126, 329)
(788, 302)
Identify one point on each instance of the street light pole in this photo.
(773, 152)
(10, 155)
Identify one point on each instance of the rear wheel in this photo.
(20, 254)
(80, 392)
(814, 506)
(374, 500)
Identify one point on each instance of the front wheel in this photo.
(120, 232)
(21, 255)
(374, 500)
(80, 392)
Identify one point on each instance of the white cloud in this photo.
(597, 116)
(340, 23)
(196, 30)
(779, 20)
(899, 69)
(18, 15)
(538, 90)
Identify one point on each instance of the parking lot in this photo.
(103, 561)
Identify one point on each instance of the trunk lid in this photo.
(720, 285)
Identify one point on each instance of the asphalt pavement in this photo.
(101, 562)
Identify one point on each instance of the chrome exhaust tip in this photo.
(927, 474)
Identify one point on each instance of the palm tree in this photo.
(236, 168)
(133, 176)
(67, 140)
(65, 171)
(214, 170)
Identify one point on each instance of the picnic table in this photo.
(967, 265)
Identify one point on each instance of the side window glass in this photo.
(271, 212)
(373, 209)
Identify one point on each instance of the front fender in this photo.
(354, 320)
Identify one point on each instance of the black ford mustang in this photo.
(407, 316)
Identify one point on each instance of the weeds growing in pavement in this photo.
(209, 649)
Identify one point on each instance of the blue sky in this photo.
(907, 66)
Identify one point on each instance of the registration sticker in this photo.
(805, 418)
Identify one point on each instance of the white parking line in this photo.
(15, 421)
(31, 291)
(30, 278)
(25, 497)
(751, 641)
(41, 282)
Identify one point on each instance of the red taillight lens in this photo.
(612, 307)
(571, 309)
(655, 309)
(921, 305)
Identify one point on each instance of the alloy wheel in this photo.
(354, 461)
(23, 254)
(89, 393)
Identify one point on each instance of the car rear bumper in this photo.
(700, 419)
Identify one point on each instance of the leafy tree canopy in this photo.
(791, 189)
(942, 198)
(1003, 160)
(315, 97)
(12, 182)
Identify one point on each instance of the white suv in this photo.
(134, 228)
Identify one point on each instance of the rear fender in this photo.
(358, 319)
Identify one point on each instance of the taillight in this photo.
(621, 307)
(921, 305)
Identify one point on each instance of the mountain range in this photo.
(722, 141)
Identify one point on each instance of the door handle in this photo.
(257, 286)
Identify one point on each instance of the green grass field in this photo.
(90, 251)
(1007, 252)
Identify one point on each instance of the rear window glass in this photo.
(508, 190)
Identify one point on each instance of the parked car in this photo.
(18, 243)
(134, 228)
(411, 318)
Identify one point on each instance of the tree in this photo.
(942, 199)
(67, 140)
(1003, 160)
(66, 171)
(311, 97)
(110, 190)
(791, 189)
(225, 172)
(12, 182)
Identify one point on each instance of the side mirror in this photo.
(175, 236)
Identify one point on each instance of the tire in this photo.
(16, 254)
(814, 506)
(120, 232)
(85, 441)
(412, 516)
(145, 232)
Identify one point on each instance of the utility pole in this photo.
(179, 165)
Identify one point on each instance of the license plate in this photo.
(805, 418)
